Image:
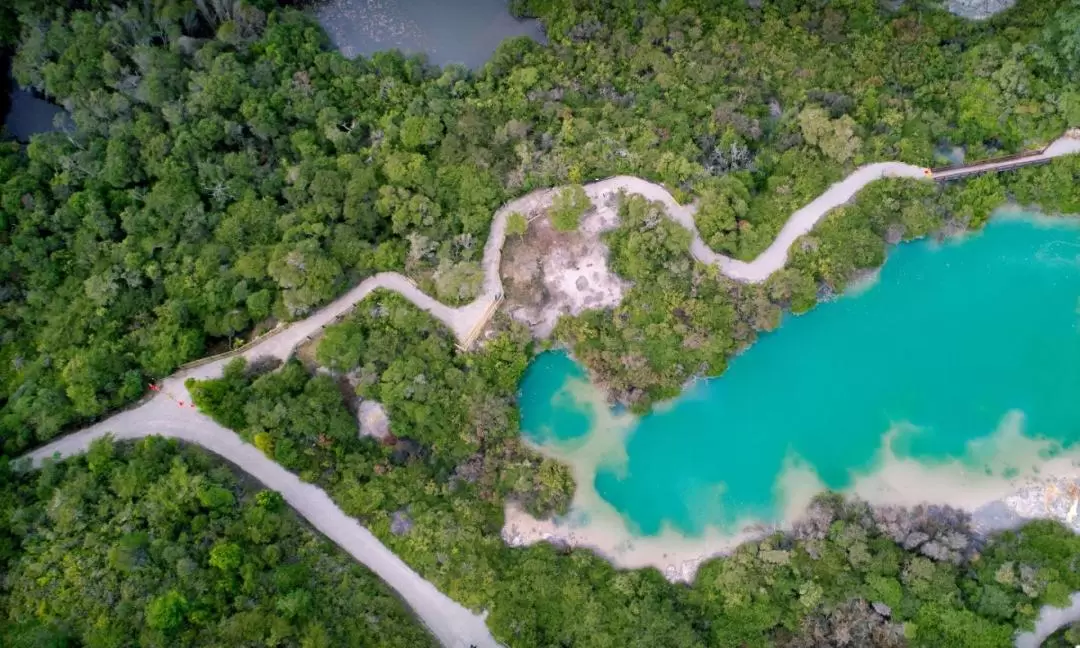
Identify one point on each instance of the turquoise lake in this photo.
(952, 340)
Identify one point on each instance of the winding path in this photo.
(451, 623)
(1050, 619)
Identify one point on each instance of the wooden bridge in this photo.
(998, 164)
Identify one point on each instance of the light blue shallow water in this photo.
(950, 340)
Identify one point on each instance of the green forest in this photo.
(436, 498)
(156, 544)
(683, 319)
(228, 171)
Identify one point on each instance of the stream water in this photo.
(961, 353)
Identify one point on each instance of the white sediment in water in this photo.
(862, 283)
(1004, 471)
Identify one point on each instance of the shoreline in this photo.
(1015, 480)
(678, 556)
(448, 620)
(1003, 480)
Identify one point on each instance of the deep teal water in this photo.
(950, 340)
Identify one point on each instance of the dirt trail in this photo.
(450, 622)
(453, 625)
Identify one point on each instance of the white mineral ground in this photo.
(451, 623)
(548, 273)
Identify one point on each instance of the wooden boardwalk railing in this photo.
(995, 165)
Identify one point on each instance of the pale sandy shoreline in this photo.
(1021, 485)
(993, 508)
(448, 620)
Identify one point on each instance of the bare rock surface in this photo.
(373, 421)
(400, 523)
(978, 9)
(548, 273)
(853, 623)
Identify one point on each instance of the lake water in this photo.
(956, 353)
(29, 115)
(448, 31)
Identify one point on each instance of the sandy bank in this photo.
(450, 622)
(1013, 482)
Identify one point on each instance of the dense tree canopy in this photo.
(227, 169)
(154, 544)
(891, 577)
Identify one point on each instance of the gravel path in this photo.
(978, 9)
(1050, 619)
(451, 623)
(464, 321)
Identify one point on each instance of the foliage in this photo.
(817, 581)
(156, 544)
(723, 205)
(676, 321)
(835, 137)
(227, 169)
(682, 319)
(567, 208)
(516, 224)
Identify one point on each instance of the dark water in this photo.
(448, 31)
(29, 115)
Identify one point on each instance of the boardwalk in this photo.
(451, 623)
(1064, 146)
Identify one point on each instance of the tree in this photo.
(150, 572)
(567, 208)
(516, 224)
(305, 274)
(719, 212)
(167, 611)
(835, 137)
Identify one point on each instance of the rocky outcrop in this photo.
(400, 523)
(941, 533)
(548, 273)
(978, 9)
(820, 515)
(373, 421)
